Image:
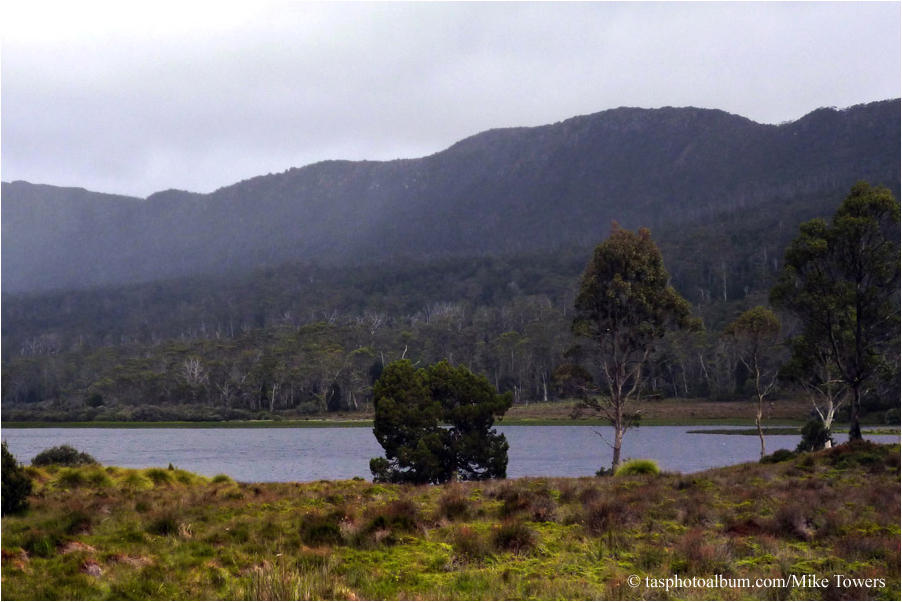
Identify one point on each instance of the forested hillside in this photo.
(286, 295)
(302, 339)
(500, 192)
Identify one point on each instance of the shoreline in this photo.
(777, 427)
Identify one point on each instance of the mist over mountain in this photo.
(498, 192)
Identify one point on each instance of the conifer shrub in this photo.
(62, 455)
(815, 436)
(17, 485)
(410, 407)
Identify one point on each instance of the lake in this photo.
(309, 454)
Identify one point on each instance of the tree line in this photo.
(840, 281)
(249, 353)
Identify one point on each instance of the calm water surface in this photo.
(309, 454)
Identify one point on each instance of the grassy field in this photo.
(664, 412)
(654, 413)
(111, 533)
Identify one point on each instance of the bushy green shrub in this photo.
(16, 484)
(866, 454)
(638, 467)
(814, 436)
(63, 455)
(781, 455)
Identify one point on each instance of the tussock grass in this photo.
(638, 467)
(97, 533)
(133, 480)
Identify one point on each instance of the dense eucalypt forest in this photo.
(303, 340)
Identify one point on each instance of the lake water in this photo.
(309, 454)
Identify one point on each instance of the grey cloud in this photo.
(132, 111)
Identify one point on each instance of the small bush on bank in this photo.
(638, 467)
(781, 455)
(16, 484)
(62, 455)
(815, 436)
(862, 453)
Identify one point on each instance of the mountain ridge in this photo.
(499, 191)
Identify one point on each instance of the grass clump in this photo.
(134, 480)
(71, 478)
(454, 506)
(159, 476)
(317, 530)
(638, 467)
(514, 536)
(164, 523)
(399, 515)
(470, 544)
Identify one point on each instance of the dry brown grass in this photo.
(676, 411)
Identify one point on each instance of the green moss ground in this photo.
(112, 533)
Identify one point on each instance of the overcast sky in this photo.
(133, 98)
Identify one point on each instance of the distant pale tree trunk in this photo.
(755, 334)
(812, 367)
